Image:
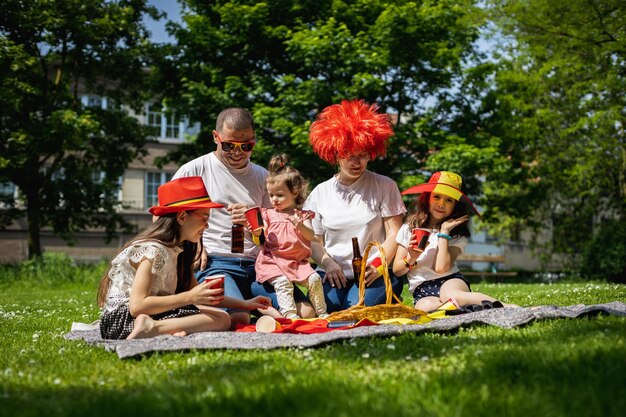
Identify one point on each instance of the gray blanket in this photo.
(502, 317)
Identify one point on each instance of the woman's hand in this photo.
(205, 294)
(334, 275)
(450, 224)
(259, 302)
(371, 275)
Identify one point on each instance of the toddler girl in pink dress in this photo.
(284, 259)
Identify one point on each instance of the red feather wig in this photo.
(350, 128)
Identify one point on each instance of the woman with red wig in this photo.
(355, 202)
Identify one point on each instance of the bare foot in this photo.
(511, 305)
(182, 333)
(144, 328)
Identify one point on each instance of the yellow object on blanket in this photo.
(440, 313)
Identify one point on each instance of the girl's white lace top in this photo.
(124, 266)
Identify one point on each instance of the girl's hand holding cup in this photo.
(210, 292)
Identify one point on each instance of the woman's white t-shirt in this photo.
(343, 212)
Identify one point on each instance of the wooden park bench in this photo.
(492, 259)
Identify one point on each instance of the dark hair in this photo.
(165, 230)
(281, 172)
(235, 118)
(422, 216)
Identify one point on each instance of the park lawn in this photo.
(549, 368)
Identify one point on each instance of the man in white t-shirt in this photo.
(232, 180)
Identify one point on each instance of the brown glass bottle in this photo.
(357, 260)
(236, 238)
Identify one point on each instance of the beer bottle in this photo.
(357, 260)
(236, 238)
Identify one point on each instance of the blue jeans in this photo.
(238, 273)
(338, 299)
(267, 290)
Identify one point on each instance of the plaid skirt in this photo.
(118, 324)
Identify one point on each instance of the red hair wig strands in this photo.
(350, 128)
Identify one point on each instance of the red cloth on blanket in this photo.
(304, 326)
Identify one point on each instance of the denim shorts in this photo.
(432, 287)
(238, 274)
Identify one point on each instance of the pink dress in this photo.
(285, 252)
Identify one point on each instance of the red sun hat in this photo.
(182, 194)
(446, 183)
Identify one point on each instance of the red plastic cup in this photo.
(421, 236)
(253, 215)
(216, 281)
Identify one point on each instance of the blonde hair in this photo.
(280, 172)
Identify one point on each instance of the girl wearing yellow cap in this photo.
(430, 242)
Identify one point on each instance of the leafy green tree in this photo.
(66, 157)
(549, 118)
(287, 60)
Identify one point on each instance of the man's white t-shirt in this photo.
(424, 268)
(227, 186)
(343, 212)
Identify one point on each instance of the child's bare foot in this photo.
(144, 328)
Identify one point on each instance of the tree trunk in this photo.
(33, 215)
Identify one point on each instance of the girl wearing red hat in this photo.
(441, 220)
(354, 203)
(150, 289)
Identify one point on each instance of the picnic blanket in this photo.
(501, 317)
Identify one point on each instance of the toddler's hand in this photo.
(296, 218)
(299, 217)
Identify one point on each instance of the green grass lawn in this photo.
(549, 368)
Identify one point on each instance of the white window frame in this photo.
(151, 187)
(167, 121)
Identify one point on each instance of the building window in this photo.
(153, 121)
(153, 181)
(7, 190)
(94, 101)
(163, 124)
(98, 177)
